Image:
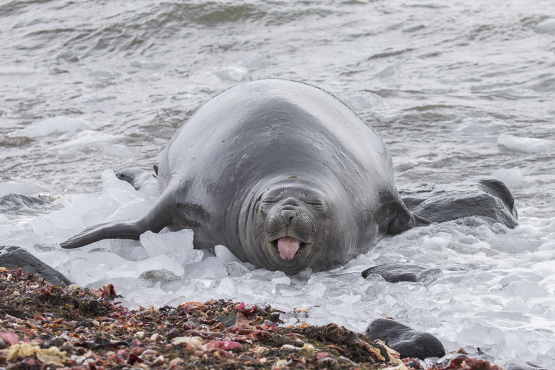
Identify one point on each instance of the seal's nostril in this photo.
(288, 216)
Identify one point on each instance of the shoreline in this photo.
(46, 327)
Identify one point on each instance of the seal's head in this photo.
(292, 226)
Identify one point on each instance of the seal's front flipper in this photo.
(155, 220)
(106, 230)
(135, 176)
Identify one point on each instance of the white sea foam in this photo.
(85, 142)
(11, 70)
(388, 70)
(510, 176)
(525, 144)
(102, 74)
(480, 126)
(20, 187)
(359, 101)
(145, 64)
(254, 62)
(54, 125)
(233, 73)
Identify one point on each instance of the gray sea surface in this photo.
(455, 89)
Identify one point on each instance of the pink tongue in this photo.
(288, 247)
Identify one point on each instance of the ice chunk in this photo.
(55, 259)
(236, 269)
(121, 191)
(84, 203)
(517, 305)
(233, 73)
(362, 100)
(515, 342)
(54, 125)
(547, 26)
(66, 218)
(226, 286)
(315, 289)
(176, 245)
(510, 176)
(285, 280)
(210, 268)
(340, 311)
(160, 263)
(481, 334)
(527, 290)
(86, 268)
(20, 187)
(150, 189)
(134, 209)
(255, 61)
(131, 250)
(224, 254)
(524, 144)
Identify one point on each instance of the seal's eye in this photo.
(270, 201)
(314, 203)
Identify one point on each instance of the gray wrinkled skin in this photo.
(268, 159)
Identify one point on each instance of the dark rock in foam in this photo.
(16, 258)
(394, 273)
(485, 197)
(408, 342)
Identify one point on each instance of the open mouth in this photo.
(288, 247)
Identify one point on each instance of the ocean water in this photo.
(455, 89)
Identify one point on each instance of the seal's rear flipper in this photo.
(155, 220)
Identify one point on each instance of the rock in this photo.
(16, 258)
(408, 342)
(228, 320)
(395, 273)
(521, 365)
(486, 197)
(2, 344)
(163, 276)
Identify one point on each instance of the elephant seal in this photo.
(282, 173)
